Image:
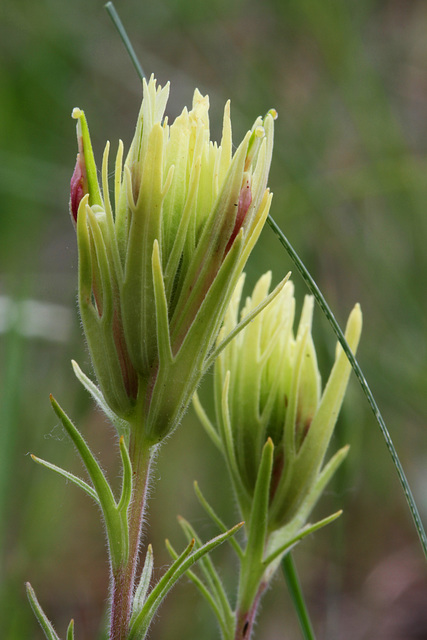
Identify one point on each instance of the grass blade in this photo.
(111, 10)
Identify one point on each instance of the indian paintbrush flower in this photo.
(268, 386)
(158, 265)
(273, 426)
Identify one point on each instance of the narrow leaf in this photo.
(45, 624)
(117, 537)
(199, 584)
(213, 516)
(123, 35)
(257, 527)
(206, 423)
(68, 476)
(144, 583)
(127, 477)
(306, 531)
(70, 630)
(121, 425)
(140, 626)
(210, 573)
(162, 320)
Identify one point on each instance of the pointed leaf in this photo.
(210, 573)
(70, 630)
(257, 527)
(127, 478)
(294, 586)
(213, 516)
(68, 476)
(199, 584)
(141, 624)
(163, 336)
(121, 425)
(206, 423)
(117, 536)
(45, 624)
(310, 528)
(144, 583)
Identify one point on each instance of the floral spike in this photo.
(273, 426)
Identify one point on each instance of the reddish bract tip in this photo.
(78, 187)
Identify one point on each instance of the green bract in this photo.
(268, 388)
(158, 266)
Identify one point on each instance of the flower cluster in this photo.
(158, 265)
(268, 389)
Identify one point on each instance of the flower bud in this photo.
(268, 386)
(158, 266)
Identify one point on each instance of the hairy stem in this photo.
(245, 617)
(123, 577)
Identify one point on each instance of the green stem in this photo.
(314, 289)
(123, 578)
(294, 586)
(245, 615)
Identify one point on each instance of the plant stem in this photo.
(245, 617)
(123, 577)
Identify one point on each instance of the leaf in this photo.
(121, 425)
(257, 526)
(210, 573)
(211, 513)
(310, 528)
(70, 630)
(68, 476)
(206, 423)
(161, 303)
(297, 596)
(144, 583)
(142, 622)
(117, 535)
(200, 585)
(126, 496)
(45, 624)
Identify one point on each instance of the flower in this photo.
(157, 268)
(268, 390)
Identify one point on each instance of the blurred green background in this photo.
(349, 176)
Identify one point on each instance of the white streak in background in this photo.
(35, 319)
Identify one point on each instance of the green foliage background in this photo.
(349, 80)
